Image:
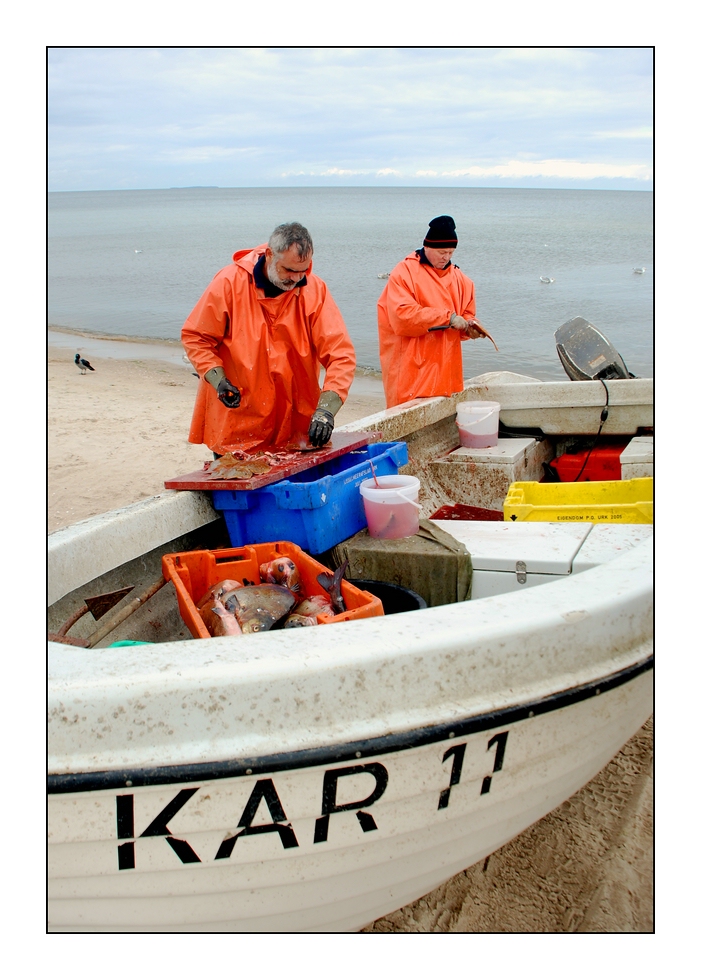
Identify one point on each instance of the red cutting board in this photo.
(341, 442)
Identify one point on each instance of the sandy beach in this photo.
(117, 433)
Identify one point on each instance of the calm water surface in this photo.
(134, 263)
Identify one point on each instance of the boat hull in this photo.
(319, 780)
(283, 846)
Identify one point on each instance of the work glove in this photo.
(322, 421)
(320, 428)
(227, 393)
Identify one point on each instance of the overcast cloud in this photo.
(243, 117)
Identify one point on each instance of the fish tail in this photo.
(332, 584)
(338, 575)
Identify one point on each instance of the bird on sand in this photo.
(83, 364)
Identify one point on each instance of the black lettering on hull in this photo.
(329, 805)
(263, 790)
(458, 754)
(500, 741)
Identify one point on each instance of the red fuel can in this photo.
(604, 463)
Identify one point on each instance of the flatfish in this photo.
(230, 467)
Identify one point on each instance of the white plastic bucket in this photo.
(478, 424)
(392, 508)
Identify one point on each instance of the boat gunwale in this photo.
(64, 783)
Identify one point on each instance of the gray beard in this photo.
(275, 279)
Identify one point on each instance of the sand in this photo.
(116, 434)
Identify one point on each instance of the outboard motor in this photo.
(586, 354)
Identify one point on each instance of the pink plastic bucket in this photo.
(478, 424)
(392, 508)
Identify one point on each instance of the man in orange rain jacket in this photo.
(426, 309)
(258, 338)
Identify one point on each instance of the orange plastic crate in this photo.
(193, 572)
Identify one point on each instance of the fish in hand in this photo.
(475, 325)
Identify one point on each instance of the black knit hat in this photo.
(441, 233)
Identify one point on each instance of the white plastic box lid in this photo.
(607, 541)
(638, 450)
(506, 451)
(544, 546)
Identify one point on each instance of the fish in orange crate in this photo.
(218, 620)
(223, 622)
(308, 611)
(281, 571)
(332, 584)
(259, 607)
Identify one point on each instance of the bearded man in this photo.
(258, 338)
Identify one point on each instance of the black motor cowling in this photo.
(586, 354)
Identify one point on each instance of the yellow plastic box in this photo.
(599, 502)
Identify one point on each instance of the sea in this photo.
(132, 264)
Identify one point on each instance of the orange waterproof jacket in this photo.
(416, 363)
(272, 349)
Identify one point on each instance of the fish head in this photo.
(281, 571)
(295, 621)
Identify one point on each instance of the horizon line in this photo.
(254, 187)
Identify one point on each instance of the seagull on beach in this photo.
(84, 365)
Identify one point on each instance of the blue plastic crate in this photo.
(316, 509)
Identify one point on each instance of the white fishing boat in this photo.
(315, 780)
(547, 279)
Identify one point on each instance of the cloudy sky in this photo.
(242, 117)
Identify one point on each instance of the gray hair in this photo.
(285, 236)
